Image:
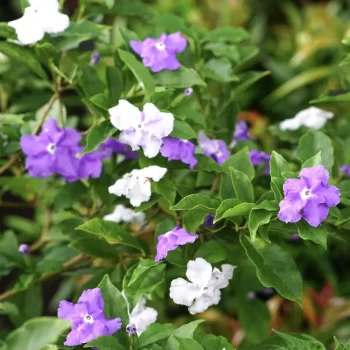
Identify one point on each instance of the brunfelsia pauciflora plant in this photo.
(144, 188)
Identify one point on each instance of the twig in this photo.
(45, 114)
(216, 182)
(13, 159)
(17, 205)
(41, 241)
(66, 266)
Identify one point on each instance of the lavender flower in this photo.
(308, 197)
(209, 221)
(177, 149)
(159, 54)
(114, 146)
(345, 169)
(24, 249)
(216, 149)
(188, 92)
(258, 157)
(171, 240)
(87, 317)
(95, 58)
(131, 329)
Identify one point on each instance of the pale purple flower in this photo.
(258, 157)
(159, 54)
(308, 197)
(88, 319)
(131, 329)
(188, 92)
(241, 131)
(114, 146)
(24, 249)
(209, 221)
(216, 149)
(345, 169)
(171, 240)
(95, 58)
(177, 149)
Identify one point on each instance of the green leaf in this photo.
(109, 4)
(247, 79)
(271, 343)
(154, 333)
(68, 68)
(12, 119)
(241, 161)
(312, 143)
(97, 135)
(115, 304)
(221, 49)
(275, 267)
(112, 232)
(193, 218)
(316, 234)
(212, 251)
(219, 69)
(94, 246)
(36, 333)
(207, 164)
(241, 209)
(260, 215)
(210, 342)
(172, 23)
(340, 346)
(90, 82)
(6, 31)
(188, 344)
(193, 201)
(24, 55)
(300, 341)
(231, 34)
(315, 160)
(183, 131)
(167, 189)
(115, 83)
(180, 79)
(242, 186)
(141, 73)
(185, 331)
(278, 165)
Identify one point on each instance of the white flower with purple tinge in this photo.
(312, 117)
(216, 149)
(171, 240)
(159, 54)
(137, 185)
(141, 317)
(188, 92)
(88, 319)
(144, 129)
(177, 149)
(24, 249)
(204, 287)
(258, 157)
(95, 58)
(308, 197)
(42, 16)
(124, 214)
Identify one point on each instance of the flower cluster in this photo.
(160, 54)
(57, 150)
(42, 16)
(312, 117)
(204, 287)
(171, 240)
(308, 197)
(88, 318)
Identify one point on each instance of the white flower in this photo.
(142, 129)
(42, 16)
(124, 214)
(137, 185)
(203, 290)
(312, 117)
(142, 316)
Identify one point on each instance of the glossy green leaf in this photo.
(300, 341)
(242, 186)
(183, 130)
(212, 251)
(318, 234)
(154, 333)
(193, 201)
(188, 344)
(182, 78)
(241, 161)
(94, 246)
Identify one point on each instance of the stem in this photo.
(45, 114)
(13, 159)
(41, 241)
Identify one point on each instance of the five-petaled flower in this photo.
(204, 287)
(311, 117)
(159, 54)
(177, 149)
(171, 240)
(88, 319)
(258, 157)
(216, 149)
(144, 129)
(308, 197)
(137, 185)
(124, 214)
(42, 16)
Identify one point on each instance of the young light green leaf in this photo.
(315, 160)
(242, 186)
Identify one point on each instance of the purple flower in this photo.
(241, 131)
(114, 146)
(131, 329)
(258, 157)
(24, 249)
(177, 149)
(345, 169)
(209, 221)
(188, 92)
(216, 149)
(159, 54)
(51, 151)
(171, 240)
(95, 58)
(87, 317)
(308, 197)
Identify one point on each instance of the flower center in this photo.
(160, 46)
(306, 193)
(51, 148)
(88, 319)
